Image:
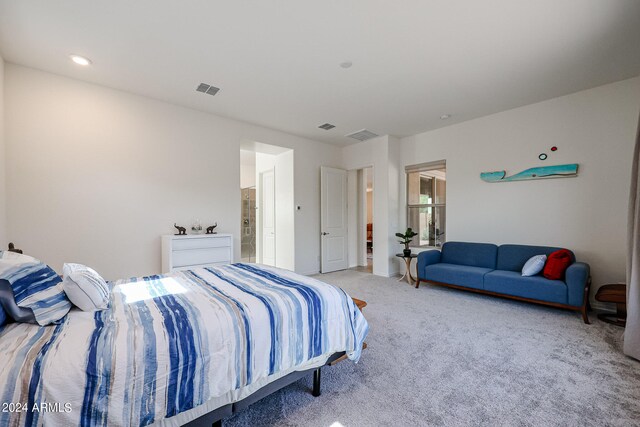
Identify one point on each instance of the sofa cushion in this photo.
(557, 264)
(470, 254)
(453, 274)
(513, 257)
(534, 265)
(533, 287)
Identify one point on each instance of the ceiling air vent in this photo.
(362, 135)
(208, 89)
(326, 126)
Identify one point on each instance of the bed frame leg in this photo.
(316, 382)
(217, 424)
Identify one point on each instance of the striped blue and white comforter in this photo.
(170, 343)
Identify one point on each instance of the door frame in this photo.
(362, 217)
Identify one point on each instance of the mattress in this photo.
(173, 347)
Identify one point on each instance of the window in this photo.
(426, 203)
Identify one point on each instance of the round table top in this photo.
(410, 256)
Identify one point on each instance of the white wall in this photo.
(396, 220)
(285, 211)
(264, 162)
(3, 196)
(588, 214)
(247, 168)
(96, 175)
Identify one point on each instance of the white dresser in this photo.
(196, 250)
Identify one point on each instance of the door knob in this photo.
(324, 233)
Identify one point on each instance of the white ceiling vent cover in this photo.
(326, 126)
(362, 135)
(208, 89)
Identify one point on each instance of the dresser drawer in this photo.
(201, 243)
(194, 257)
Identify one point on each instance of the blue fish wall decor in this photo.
(543, 172)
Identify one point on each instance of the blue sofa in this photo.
(496, 270)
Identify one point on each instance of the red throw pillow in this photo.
(557, 264)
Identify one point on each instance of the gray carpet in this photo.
(444, 357)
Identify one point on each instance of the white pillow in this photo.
(533, 266)
(85, 288)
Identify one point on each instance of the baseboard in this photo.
(392, 274)
(309, 273)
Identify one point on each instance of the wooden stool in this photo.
(617, 294)
(359, 303)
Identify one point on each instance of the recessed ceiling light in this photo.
(346, 64)
(445, 116)
(80, 60)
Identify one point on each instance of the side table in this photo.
(407, 272)
(617, 294)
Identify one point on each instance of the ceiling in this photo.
(277, 62)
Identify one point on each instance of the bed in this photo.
(189, 347)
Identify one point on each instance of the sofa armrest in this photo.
(425, 259)
(577, 278)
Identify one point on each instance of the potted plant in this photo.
(406, 238)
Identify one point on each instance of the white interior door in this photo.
(333, 219)
(268, 216)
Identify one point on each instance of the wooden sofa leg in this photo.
(585, 316)
(417, 282)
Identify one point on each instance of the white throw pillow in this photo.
(533, 266)
(85, 288)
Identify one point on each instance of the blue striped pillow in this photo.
(36, 286)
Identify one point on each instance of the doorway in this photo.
(368, 217)
(361, 219)
(267, 214)
(247, 206)
(248, 226)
